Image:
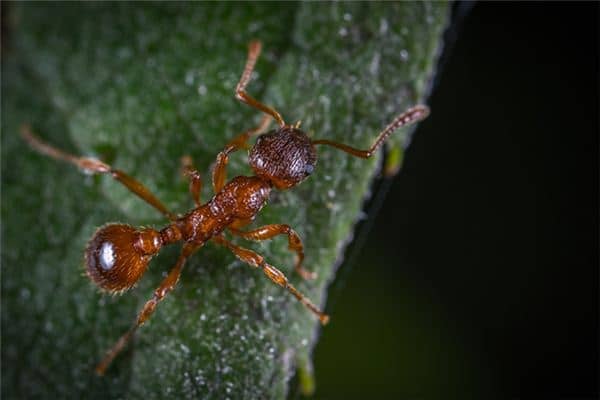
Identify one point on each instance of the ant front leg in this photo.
(97, 167)
(239, 142)
(254, 49)
(161, 291)
(408, 117)
(294, 243)
(256, 260)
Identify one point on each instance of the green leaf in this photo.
(140, 86)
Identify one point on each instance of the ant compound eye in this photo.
(118, 255)
(308, 169)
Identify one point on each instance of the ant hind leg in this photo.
(167, 284)
(97, 167)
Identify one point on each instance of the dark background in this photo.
(479, 275)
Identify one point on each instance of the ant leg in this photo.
(254, 48)
(95, 166)
(238, 142)
(239, 223)
(408, 117)
(256, 260)
(294, 243)
(188, 170)
(161, 291)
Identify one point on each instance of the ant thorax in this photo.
(284, 157)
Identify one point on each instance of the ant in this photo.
(118, 255)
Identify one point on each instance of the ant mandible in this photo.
(118, 255)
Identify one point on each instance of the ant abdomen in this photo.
(117, 255)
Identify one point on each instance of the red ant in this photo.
(117, 255)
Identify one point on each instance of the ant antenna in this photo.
(412, 115)
(254, 49)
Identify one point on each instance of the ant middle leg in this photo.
(254, 49)
(167, 284)
(239, 142)
(258, 261)
(408, 117)
(195, 185)
(97, 167)
(294, 243)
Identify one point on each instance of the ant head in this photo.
(117, 255)
(284, 157)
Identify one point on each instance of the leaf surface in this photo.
(140, 86)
